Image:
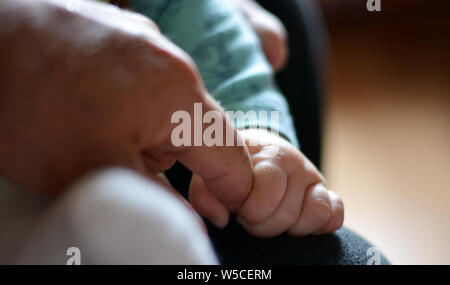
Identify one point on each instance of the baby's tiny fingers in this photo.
(316, 211)
(337, 214)
(286, 214)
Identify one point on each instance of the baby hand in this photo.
(288, 193)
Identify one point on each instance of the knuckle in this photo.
(313, 175)
(322, 200)
(174, 58)
(270, 171)
(322, 205)
(129, 14)
(184, 66)
(142, 19)
(272, 177)
(180, 59)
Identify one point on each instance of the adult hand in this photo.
(85, 85)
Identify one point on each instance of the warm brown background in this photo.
(387, 127)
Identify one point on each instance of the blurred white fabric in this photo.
(113, 217)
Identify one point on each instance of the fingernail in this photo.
(219, 222)
(241, 221)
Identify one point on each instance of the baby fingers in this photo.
(337, 215)
(269, 187)
(284, 216)
(322, 212)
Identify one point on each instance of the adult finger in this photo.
(206, 204)
(227, 171)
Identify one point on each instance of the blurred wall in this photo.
(387, 127)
